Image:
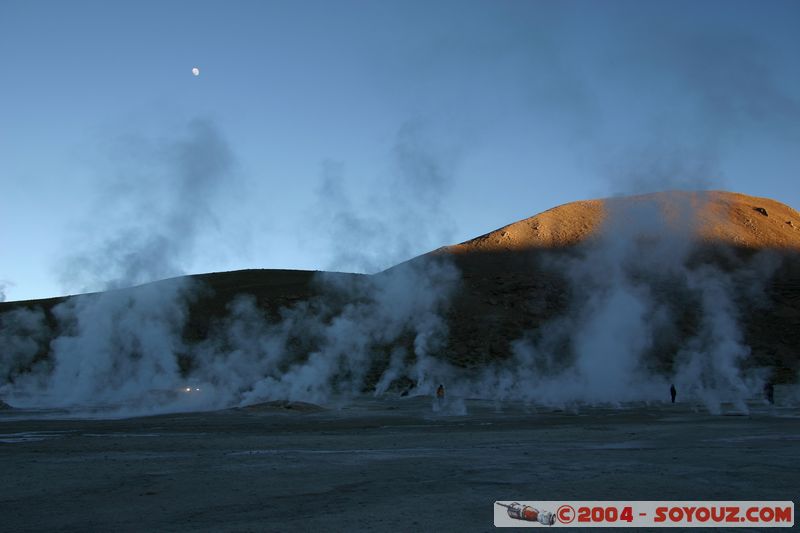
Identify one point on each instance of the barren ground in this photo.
(389, 464)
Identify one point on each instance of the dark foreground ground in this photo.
(378, 465)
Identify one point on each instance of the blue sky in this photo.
(350, 135)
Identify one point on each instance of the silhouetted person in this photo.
(673, 392)
(440, 392)
(769, 392)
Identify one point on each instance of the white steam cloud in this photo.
(629, 289)
(397, 218)
(356, 323)
(153, 212)
(619, 340)
(124, 349)
(121, 346)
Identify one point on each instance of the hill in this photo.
(517, 279)
(711, 217)
(536, 286)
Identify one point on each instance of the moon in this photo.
(195, 71)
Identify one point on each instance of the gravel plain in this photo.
(391, 464)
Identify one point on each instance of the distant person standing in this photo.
(438, 403)
(673, 392)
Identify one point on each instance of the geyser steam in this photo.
(618, 340)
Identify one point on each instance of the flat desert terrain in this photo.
(392, 464)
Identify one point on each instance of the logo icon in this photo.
(527, 513)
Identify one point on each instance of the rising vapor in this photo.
(159, 209)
